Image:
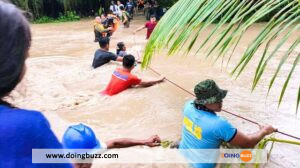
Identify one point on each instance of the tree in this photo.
(187, 19)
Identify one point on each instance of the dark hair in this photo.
(15, 41)
(202, 107)
(103, 42)
(120, 46)
(153, 16)
(121, 7)
(128, 61)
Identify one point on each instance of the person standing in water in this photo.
(125, 17)
(83, 137)
(122, 78)
(20, 130)
(114, 8)
(150, 26)
(103, 56)
(99, 28)
(130, 8)
(203, 128)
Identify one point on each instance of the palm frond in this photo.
(183, 25)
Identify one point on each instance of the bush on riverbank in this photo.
(69, 16)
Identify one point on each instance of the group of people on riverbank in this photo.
(23, 130)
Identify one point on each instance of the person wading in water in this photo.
(150, 25)
(204, 129)
(122, 78)
(103, 56)
(125, 17)
(100, 30)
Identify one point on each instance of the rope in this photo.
(228, 112)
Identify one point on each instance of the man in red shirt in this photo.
(150, 25)
(122, 78)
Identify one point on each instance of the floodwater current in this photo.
(61, 83)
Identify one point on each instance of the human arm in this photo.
(119, 59)
(126, 142)
(151, 82)
(125, 18)
(139, 29)
(249, 141)
(101, 29)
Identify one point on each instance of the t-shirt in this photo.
(203, 130)
(129, 6)
(114, 9)
(122, 53)
(20, 132)
(150, 27)
(121, 80)
(102, 57)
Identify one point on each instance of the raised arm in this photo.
(126, 142)
(249, 141)
(151, 82)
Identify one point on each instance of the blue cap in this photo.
(80, 137)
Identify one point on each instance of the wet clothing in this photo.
(20, 132)
(102, 57)
(121, 80)
(150, 27)
(125, 16)
(203, 130)
(100, 31)
(122, 53)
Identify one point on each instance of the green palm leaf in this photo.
(187, 21)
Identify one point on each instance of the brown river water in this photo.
(61, 83)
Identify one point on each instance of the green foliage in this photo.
(69, 16)
(167, 3)
(187, 19)
(44, 10)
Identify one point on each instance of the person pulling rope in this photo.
(226, 111)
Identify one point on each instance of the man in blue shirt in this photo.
(204, 129)
(130, 7)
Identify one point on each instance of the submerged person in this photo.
(103, 56)
(99, 29)
(122, 78)
(83, 137)
(150, 26)
(121, 49)
(125, 17)
(204, 129)
(20, 130)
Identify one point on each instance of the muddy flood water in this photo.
(61, 83)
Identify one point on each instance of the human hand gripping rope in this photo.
(226, 111)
